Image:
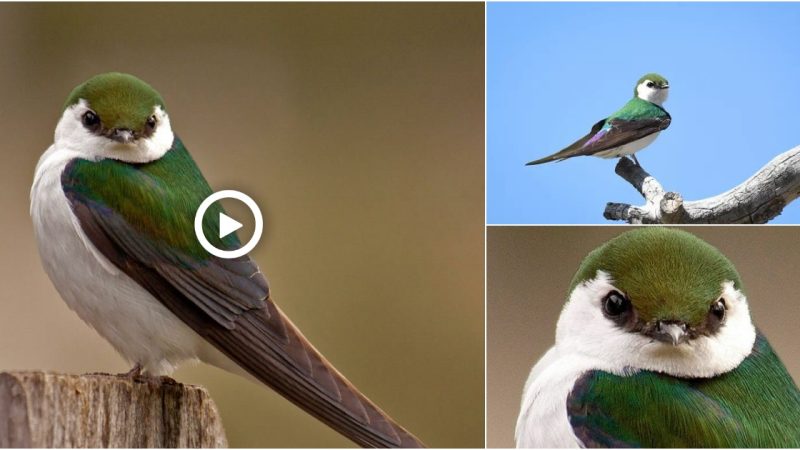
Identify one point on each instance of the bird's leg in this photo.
(136, 372)
(633, 156)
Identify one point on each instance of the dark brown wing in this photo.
(227, 302)
(608, 134)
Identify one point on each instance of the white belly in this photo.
(629, 148)
(125, 314)
(543, 419)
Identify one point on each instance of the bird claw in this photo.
(136, 375)
(135, 372)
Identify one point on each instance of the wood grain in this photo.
(758, 199)
(39, 409)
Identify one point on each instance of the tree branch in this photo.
(40, 409)
(758, 199)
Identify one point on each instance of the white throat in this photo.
(651, 94)
(73, 137)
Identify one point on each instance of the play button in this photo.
(227, 225)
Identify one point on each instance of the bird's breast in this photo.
(543, 419)
(120, 310)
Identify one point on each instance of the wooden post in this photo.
(39, 409)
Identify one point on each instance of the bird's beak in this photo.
(123, 135)
(666, 86)
(670, 332)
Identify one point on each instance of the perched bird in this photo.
(655, 348)
(628, 130)
(113, 204)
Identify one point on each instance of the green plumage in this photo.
(755, 405)
(158, 199)
(637, 109)
(637, 119)
(666, 273)
(119, 99)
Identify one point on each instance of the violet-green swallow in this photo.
(655, 348)
(628, 130)
(113, 204)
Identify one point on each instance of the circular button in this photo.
(228, 225)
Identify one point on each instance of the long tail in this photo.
(546, 159)
(270, 348)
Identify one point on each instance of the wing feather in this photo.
(228, 303)
(755, 405)
(607, 134)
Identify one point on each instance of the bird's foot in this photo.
(156, 381)
(163, 379)
(135, 372)
(633, 156)
(100, 374)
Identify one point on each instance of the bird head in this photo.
(658, 299)
(115, 115)
(653, 88)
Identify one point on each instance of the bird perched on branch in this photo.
(655, 348)
(113, 205)
(628, 130)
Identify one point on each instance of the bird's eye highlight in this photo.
(90, 120)
(151, 122)
(650, 84)
(615, 304)
(718, 309)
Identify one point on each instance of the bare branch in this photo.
(758, 199)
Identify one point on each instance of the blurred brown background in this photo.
(359, 130)
(529, 270)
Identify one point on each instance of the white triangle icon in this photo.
(227, 225)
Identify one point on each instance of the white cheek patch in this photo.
(583, 329)
(71, 135)
(651, 94)
(642, 91)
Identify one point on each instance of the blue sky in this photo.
(554, 69)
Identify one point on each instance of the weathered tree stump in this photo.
(40, 409)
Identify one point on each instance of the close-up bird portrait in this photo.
(663, 339)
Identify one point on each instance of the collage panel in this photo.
(659, 337)
(586, 101)
(357, 318)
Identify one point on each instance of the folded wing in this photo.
(227, 301)
(607, 134)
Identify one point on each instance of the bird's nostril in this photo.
(123, 134)
(662, 324)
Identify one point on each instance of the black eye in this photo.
(717, 309)
(650, 84)
(151, 122)
(90, 120)
(615, 304)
